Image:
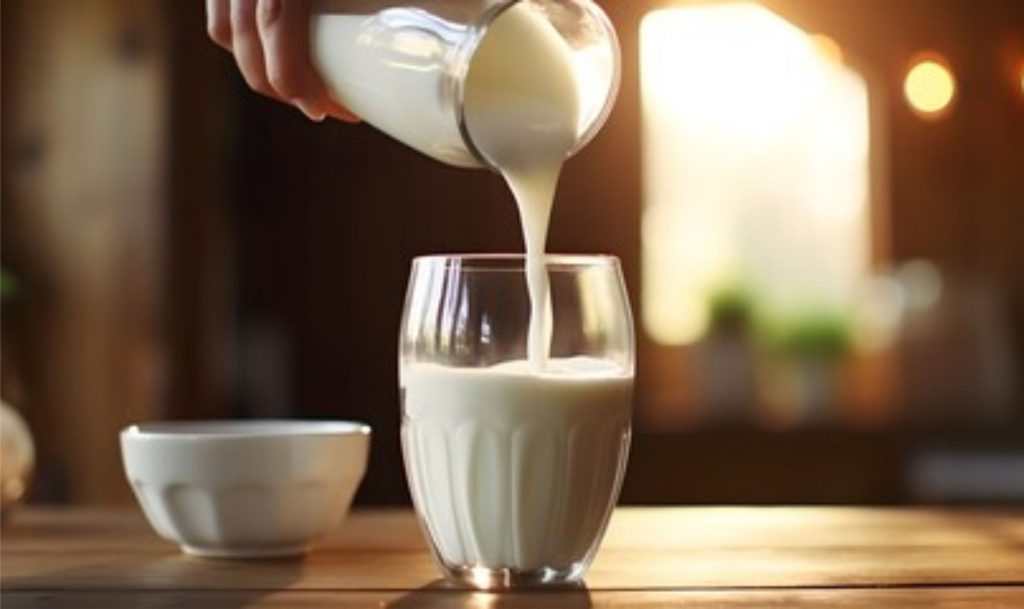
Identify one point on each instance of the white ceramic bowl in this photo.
(242, 489)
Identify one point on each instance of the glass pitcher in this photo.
(403, 66)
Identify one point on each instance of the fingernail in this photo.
(313, 114)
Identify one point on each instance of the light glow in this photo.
(929, 87)
(755, 167)
(1020, 78)
(827, 47)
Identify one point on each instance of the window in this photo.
(755, 171)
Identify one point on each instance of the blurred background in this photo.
(818, 205)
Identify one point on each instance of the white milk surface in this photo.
(512, 468)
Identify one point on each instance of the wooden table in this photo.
(652, 557)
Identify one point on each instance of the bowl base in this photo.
(281, 551)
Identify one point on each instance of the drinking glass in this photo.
(514, 466)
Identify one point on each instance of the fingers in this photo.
(270, 42)
(284, 32)
(247, 47)
(340, 112)
(218, 22)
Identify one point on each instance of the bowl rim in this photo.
(223, 429)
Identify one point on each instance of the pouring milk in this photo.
(516, 96)
(522, 111)
(514, 466)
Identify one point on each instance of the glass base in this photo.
(503, 578)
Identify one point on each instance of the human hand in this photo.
(270, 42)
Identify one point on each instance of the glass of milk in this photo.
(410, 67)
(515, 464)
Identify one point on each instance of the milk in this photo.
(511, 468)
(517, 466)
(520, 99)
(391, 79)
(522, 111)
(514, 466)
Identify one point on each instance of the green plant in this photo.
(730, 308)
(815, 335)
(8, 285)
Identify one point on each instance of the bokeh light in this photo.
(929, 87)
(1020, 77)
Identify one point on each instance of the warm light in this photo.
(1021, 78)
(481, 579)
(827, 47)
(755, 167)
(482, 600)
(929, 87)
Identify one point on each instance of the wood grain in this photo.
(720, 557)
(921, 598)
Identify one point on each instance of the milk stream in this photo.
(522, 111)
(520, 102)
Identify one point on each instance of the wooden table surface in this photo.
(651, 557)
